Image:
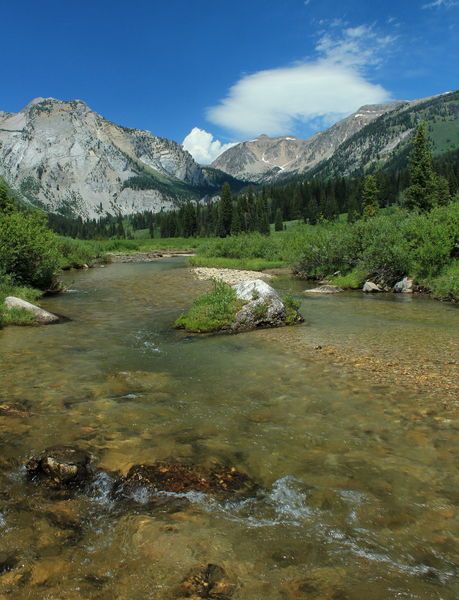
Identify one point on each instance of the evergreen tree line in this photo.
(421, 185)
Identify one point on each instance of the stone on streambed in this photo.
(180, 478)
(41, 316)
(264, 308)
(60, 467)
(325, 289)
(207, 581)
(370, 287)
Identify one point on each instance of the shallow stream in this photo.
(348, 423)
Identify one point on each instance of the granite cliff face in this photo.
(265, 159)
(66, 158)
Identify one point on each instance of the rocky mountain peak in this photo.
(69, 159)
(264, 158)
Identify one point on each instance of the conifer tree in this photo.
(263, 223)
(226, 211)
(370, 196)
(422, 177)
(442, 194)
(236, 226)
(278, 222)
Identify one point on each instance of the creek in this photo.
(348, 423)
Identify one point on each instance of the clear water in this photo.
(354, 445)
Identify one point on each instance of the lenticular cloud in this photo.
(326, 89)
(270, 101)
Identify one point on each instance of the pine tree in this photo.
(422, 177)
(263, 226)
(278, 223)
(442, 194)
(370, 196)
(226, 211)
(236, 226)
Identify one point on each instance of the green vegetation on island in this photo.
(212, 311)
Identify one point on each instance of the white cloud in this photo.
(202, 146)
(440, 3)
(325, 89)
(356, 47)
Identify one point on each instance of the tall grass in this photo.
(211, 311)
(16, 316)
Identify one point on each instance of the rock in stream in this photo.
(60, 467)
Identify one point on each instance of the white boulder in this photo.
(405, 286)
(370, 288)
(41, 316)
(264, 308)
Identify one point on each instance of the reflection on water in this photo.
(358, 475)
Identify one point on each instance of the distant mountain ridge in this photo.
(66, 158)
(352, 144)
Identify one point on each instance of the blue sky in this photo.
(233, 69)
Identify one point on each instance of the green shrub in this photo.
(327, 249)
(292, 308)
(433, 238)
(211, 311)
(28, 249)
(353, 280)
(75, 253)
(384, 251)
(387, 247)
(253, 245)
(260, 310)
(445, 285)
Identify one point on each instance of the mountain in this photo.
(366, 140)
(265, 158)
(65, 158)
(386, 142)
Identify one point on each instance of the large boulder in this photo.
(41, 316)
(405, 286)
(264, 307)
(325, 289)
(370, 288)
(60, 467)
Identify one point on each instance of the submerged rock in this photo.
(209, 581)
(324, 583)
(325, 289)
(60, 467)
(41, 316)
(264, 307)
(369, 287)
(180, 478)
(405, 286)
(8, 409)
